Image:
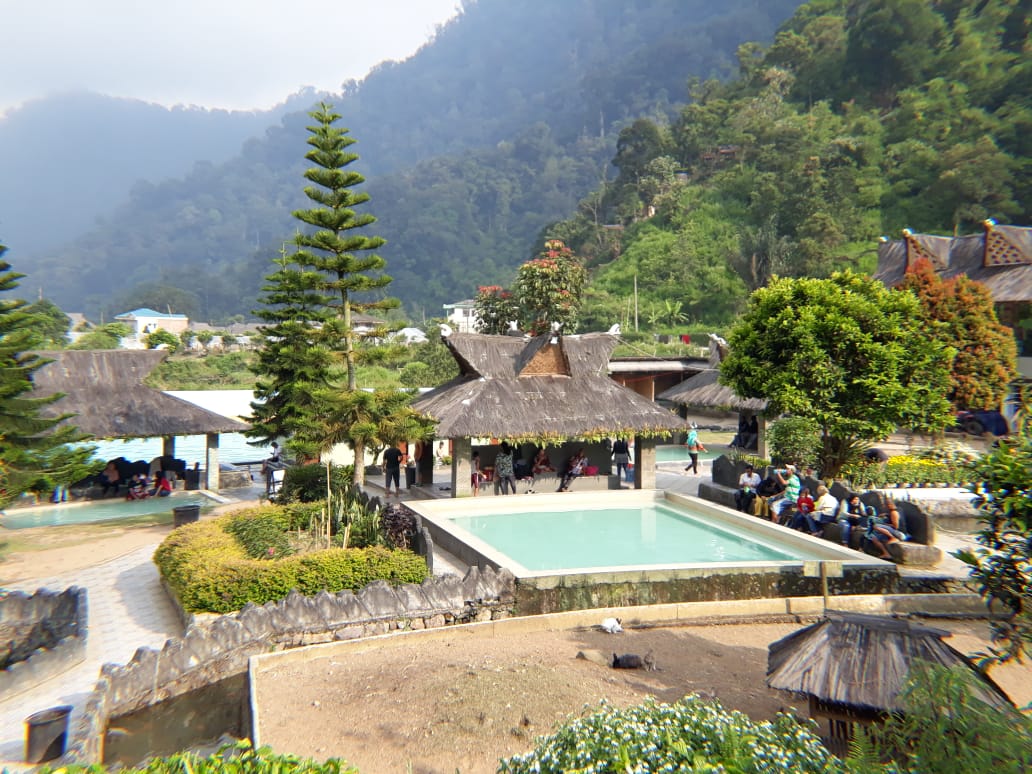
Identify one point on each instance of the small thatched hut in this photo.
(546, 389)
(104, 390)
(704, 391)
(852, 668)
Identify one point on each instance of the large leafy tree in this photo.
(35, 451)
(986, 362)
(856, 358)
(310, 356)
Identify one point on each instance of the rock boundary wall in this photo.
(43, 634)
(217, 647)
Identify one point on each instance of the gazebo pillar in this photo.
(761, 437)
(462, 467)
(211, 463)
(425, 464)
(644, 463)
(168, 446)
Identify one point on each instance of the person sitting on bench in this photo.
(574, 468)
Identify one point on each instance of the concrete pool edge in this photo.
(553, 591)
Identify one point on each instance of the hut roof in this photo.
(517, 387)
(863, 661)
(704, 391)
(104, 390)
(1000, 258)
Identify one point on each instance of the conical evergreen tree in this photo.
(307, 366)
(34, 451)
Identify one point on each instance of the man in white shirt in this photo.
(747, 483)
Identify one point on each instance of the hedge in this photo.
(210, 571)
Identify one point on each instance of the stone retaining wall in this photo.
(41, 635)
(218, 648)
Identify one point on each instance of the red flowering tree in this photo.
(495, 308)
(986, 362)
(550, 289)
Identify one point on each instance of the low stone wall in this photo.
(218, 648)
(41, 635)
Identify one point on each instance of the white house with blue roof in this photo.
(144, 321)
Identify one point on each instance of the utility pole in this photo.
(635, 302)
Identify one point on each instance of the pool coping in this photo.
(436, 516)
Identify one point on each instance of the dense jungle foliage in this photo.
(861, 118)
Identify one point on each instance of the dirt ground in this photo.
(463, 705)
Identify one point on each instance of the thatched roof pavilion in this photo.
(547, 388)
(852, 666)
(104, 389)
(704, 391)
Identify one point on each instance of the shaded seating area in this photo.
(105, 394)
(852, 667)
(550, 390)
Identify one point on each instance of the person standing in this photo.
(475, 474)
(694, 447)
(622, 456)
(392, 467)
(504, 471)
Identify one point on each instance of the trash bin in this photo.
(185, 514)
(193, 479)
(46, 733)
(410, 476)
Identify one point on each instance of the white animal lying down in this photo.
(611, 625)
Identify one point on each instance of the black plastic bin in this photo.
(193, 479)
(185, 514)
(46, 734)
(410, 476)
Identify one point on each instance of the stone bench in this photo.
(549, 482)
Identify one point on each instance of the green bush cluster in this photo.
(211, 571)
(240, 758)
(262, 533)
(307, 483)
(795, 440)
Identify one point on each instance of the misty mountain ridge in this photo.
(496, 128)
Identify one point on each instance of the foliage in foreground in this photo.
(690, 735)
(1002, 564)
(240, 758)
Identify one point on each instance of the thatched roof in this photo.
(704, 391)
(1000, 258)
(105, 390)
(516, 387)
(863, 661)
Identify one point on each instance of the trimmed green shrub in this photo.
(210, 570)
(307, 483)
(262, 534)
(794, 440)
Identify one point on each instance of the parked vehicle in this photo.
(980, 422)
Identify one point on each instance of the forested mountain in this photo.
(87, 150)
(491, 131)
(862, 118)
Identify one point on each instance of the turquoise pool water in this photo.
(96, 510)
(652, 534)
(679, 452)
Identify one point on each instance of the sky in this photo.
(233, 54)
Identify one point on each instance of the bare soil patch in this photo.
(465, 704)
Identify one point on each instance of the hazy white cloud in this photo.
(216, 53)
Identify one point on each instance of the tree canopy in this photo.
(856, 358)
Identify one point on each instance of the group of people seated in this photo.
(782, 498)
(138, 489)
(748, 434)
(508, 469)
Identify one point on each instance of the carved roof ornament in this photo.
(1006, 245)
(933, 248)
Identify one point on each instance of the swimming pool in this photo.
(97, 510)
(679, 453)
(633, 530)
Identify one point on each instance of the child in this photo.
(137, 488)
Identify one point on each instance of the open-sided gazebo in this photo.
(104, 390)
(546, 389)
